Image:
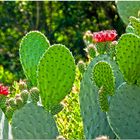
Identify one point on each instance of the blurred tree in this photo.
(16, 19)
(62, 22)
(67, 22)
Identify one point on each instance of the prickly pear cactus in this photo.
(127, 52)
(33, 122)
(104, 78)
(127, 9)
(124, 112)
(56, 74)
(94, 120)
(32, 47)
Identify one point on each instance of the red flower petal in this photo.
(103, 36)
(4, 90)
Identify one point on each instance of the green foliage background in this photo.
(62, 22)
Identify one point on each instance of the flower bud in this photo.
(19, 101)
(56, 109)
(24, 95)
(81, 66)
(91, 50)
(11, 102)
(9, 112)
(34, 92)
(22, 85)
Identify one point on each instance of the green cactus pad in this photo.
(124, 112)
(135, 22)
(103, 76)
(103, 100)
(128, 57)
(56, 74)
(32, 47)
(56, 109)
(127, 9)
(4, 129)
(33, 122)
(94, 120)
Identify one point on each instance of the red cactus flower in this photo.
(104, 36)
(4, 90)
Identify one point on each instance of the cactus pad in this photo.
(127, 52)
(32, 46)
(135, 22)
(103, 100)
(33, 122)
(124, 112)
(127, 9)
(103, 76)
(56, 74)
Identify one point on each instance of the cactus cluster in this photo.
(50, 71)
(109, 93)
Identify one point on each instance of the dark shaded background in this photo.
(62, 22)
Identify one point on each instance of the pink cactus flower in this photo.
(104, 36)
(4, 90)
